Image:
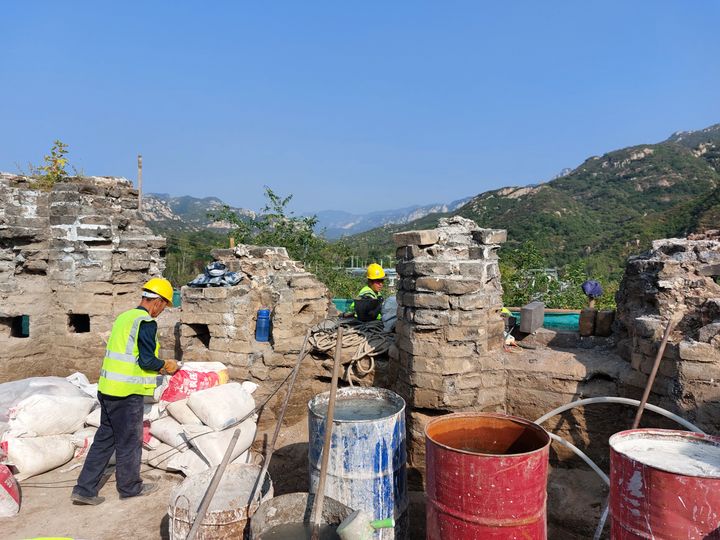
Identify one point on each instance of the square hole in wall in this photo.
(202, 334)
(78, 323)
(18, 327)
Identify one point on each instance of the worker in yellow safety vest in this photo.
(368, 304)
(129, 373)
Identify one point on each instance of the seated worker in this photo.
(368, 304)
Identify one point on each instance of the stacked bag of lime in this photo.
(45, 422)
(42, 422)
(194, 427)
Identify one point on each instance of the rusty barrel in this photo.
(486, 477)
(664, 484)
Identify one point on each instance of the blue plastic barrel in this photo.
(262, 325)
(367, 461)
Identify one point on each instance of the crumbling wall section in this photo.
(676, 276)
(449, 329)
(71, 259)
(218, 323)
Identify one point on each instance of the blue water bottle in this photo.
(262, 325)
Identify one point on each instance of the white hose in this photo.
(625, 401)
(593, 466)
(581, 454)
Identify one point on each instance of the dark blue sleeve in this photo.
(146, 346)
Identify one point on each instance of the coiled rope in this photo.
(369, 340)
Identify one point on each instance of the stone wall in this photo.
(676, 276)
(449, 329)
(71, 259)
(218, 323)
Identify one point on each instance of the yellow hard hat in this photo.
(505, 311)
(375, 271)
(160, 286)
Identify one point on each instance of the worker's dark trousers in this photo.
(120, 431)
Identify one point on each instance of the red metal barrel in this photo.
(486, 477)
(664, 484)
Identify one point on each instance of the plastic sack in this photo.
(147, 436)
(389, 313)
(93, 419)
(163, 382)
(9, 493)
(36, 455)
(188, 463)
(180, 411)
(213, 444)
(222, 406)
(160, 457)
(152, 411)
(152, 443)
(193, 377)
(81, 381)
(11, 393)
(169, 431)
(41, 415)
(82, 439)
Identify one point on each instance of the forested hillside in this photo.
(609, 207)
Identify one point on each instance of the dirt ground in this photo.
(47, 511)
(573, 495)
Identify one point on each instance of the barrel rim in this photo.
(517, 419)
(393, 396)
(665, 434)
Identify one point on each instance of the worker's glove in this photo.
(171, 366)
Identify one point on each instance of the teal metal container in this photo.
(367, 461)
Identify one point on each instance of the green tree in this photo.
(525, 277)
(277, 226)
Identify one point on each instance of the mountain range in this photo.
(167, 213)
(609, 207)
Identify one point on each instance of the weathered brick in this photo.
(424, 300)
(416, 238)
(449, 285)
(699, 352)
(490, 236)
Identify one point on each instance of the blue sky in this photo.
(350, 106)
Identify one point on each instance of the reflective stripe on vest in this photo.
(121, 375)
(367, 291)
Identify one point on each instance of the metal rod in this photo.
(207, 498)
(658, 358)
(140, 182)
(271, 447)
(646, 394)
(316, 517)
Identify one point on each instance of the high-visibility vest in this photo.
(365, 292)
(121, 375)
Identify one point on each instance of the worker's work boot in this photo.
(80, 499)
(147, 489)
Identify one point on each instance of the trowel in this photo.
(360, 526)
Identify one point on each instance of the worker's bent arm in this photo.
(146, 347)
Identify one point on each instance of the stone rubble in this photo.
(676, 275)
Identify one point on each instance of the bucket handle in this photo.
(175, 505)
